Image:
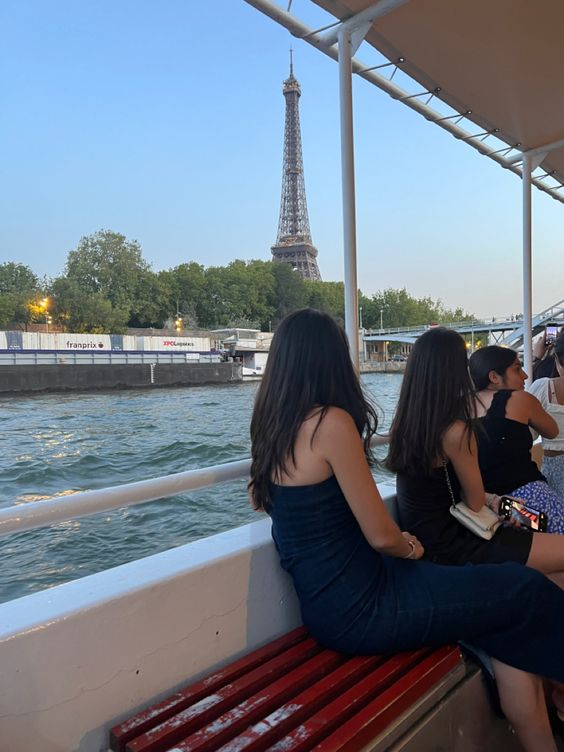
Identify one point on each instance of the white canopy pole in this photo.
(348, 190)
(527, 270)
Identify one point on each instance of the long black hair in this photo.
(487, 359)
(308, 366)
(436, 391)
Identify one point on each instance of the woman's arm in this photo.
(540, 420)
(338, 442)
(526, 408)
(464, 457)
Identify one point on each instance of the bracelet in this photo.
(412, 552)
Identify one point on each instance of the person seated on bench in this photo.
(550, 393)
(361, 582)
(505, 412)
(432, 443)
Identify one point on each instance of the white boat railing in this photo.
(35, 514)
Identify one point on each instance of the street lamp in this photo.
(381, 320)
(45, 306)
(178, 323)
(360, 317)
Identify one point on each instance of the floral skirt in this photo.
(553, 471)
(542, 497)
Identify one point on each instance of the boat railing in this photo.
(103, 357)
(35, 514)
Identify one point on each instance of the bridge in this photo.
(508, 332)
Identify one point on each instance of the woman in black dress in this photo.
(432, 437)
(505, 411)
(362, 584)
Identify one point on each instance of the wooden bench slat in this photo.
(212, 736)
(189, 720)
(146, 719)
(289, 696)
(286, 717)
(319, 725)
(375, 717)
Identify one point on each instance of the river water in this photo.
(56, 444)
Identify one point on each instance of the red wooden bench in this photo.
(291, 695)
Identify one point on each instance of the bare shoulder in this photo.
(522, 399)
(454, 436)
(336, 427)
(336, 419)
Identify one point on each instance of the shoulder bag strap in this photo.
(447, 476)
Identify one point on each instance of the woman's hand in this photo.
(493, 501)
(415, 545)
(513, 521)
(539, 346)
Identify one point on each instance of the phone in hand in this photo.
(526, 516)
(550, 334)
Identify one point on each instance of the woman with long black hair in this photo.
(433, 451)
(362, 586)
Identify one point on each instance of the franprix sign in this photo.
(42, 341)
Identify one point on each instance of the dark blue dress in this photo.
(357, 601)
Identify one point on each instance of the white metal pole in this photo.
(347, 177)
(527, 270)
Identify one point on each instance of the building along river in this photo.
(56, 444)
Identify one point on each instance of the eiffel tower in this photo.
(293, 244)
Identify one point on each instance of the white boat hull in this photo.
(80, 657)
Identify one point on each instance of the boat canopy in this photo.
(496, 67)
(500, 63)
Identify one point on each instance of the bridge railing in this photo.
(555, 312)
(35, 514)
(448, 324)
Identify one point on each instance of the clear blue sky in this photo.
(164, 121)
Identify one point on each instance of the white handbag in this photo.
(483, 523)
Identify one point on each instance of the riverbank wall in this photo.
(69, 377)
(390, 366)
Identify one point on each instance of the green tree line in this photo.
(108, 286)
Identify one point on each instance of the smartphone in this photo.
(524, 515)
(550, 334)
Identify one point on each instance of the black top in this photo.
(504, 449)
(424, 502)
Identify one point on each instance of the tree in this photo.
(19, 289)
(85, 312)
(289, 292)
(184, 287)
(17, 278)
(237, 295)
(150, 306)
(397, 308)
(327, 296)
(108, 264)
